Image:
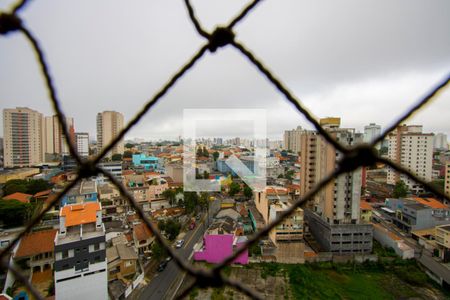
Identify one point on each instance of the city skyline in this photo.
(370, 76)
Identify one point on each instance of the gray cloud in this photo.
(364, 61)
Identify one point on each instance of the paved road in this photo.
(165, 284)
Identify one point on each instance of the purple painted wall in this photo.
(219, 246)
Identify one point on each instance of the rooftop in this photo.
(431, 202)
(22, 197)
(83, 213)
(142, 232)
(35, 243)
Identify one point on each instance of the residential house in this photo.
(143, 238)
(122, 262)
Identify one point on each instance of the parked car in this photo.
(162, 266)
(168, 258)
(179, 244)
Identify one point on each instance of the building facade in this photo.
(109, 124)
(291, 139)
(440, 142)
(80, 255)
(371, 132)
(447, 178)
(411, 148)
(82, 142)
(55, 144)
(22, 141)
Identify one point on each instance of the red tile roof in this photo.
(431, 202)
(24, 198)
(43, 193)
(142, 232)
(365, 205)
(77, 214)
(36, 242)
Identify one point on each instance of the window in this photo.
(65, 254)
(96, 246)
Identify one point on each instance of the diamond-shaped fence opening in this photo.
(352, 158)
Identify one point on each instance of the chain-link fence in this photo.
(352, 158)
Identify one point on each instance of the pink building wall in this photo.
(219, 246)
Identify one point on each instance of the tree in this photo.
(127, 154)
(170, 195)
(203, 200)
(172, 229)
(190, 201)
(400, 189)
(14, 186)
(234, 189)
(32, 186)
(116, 157)
(289, 174)
(383, 151)
(199, 152)
(205, 152)
(158, 251)
(14, 213)
(205, 174)
(215, 155)
(248, 193)
(37, 185)
(129, 145)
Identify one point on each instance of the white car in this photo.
(179, 244)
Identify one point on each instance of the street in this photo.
(165, 284)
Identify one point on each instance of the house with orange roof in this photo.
(36, 250)
(143, 238)
(22, 197)
(366, 211)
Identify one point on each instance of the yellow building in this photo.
(443, 241)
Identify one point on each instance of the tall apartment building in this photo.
(440, 141)
(335, 210)
(291, 139)
(80, 253)
(55, 144)
(371, 132)
(82, 143)
(109, 124)
(22, 141)
(411, 148)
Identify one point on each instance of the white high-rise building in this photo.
(371, 132)
(22, 141)
(82, 139)
(80, 267)
(291, 139)
(440, 141)
(411, 148)
(109, 124)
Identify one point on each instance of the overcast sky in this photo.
(364, 61)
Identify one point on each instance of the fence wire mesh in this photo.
(352, 158)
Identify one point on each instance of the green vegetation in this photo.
(438, 184)
(170, 227)
(390, 279)
(400, 189)
(116, 157)
(129, 145)
(31, 186)
(248, 193)
(170, 195)
(234, 189)
(215, 155)
(15, 213)
(158, 251)
(127, 154)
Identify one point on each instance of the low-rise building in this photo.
(442, 237)
(122, 262)
(391, 240)
(143, 238)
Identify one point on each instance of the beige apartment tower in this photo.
(109, 124)
(54, 142)
(291, 139)
(338, 202)
(22, 142)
